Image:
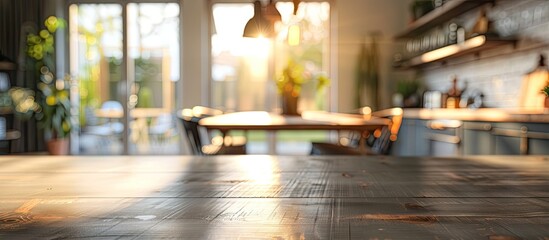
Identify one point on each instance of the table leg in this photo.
(362, 142)
(223, 137)
(271, 141)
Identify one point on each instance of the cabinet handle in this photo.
(538, 135)
(478, 126)
(522, 134)
(510, 132)
(444, 138)
(445, 124)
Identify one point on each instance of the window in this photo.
(244, 70)
(126, 71)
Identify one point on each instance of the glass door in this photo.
(125, 61)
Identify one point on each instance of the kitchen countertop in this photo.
(482, 114)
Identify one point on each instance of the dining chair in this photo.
(378, 143)
(105, 126)
(102, 131)
(161, 128)
(199, 142)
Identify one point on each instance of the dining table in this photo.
(138, 124)
(274, 197)
(307, 120)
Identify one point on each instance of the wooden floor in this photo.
(267, 197)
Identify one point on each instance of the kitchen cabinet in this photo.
(442, 137)
(509, 138)
(411, 139)
(403, 145)
(419, 137)
(480, 140)
(538, 139)
(521, 138)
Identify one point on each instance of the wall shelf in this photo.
(440, 15)
(7, 66)
(469, 46)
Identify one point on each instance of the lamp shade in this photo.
(258, 25)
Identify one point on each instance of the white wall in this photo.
(356, 19)
(499, 72)
(353, 20)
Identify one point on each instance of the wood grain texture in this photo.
(274, 197)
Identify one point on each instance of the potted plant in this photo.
(290, 82)
(54, 114)
(545, 91)
(408, 90)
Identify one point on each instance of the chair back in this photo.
(384, 138)
(189, 119)
(112, 105)
(162, 124)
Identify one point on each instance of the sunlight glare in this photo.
(294, 35)
(260, 171)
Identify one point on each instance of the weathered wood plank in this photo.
(250, 197)
(280, 184)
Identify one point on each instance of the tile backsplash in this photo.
(498, 73)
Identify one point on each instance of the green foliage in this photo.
(545, 90)
(145, 69)
(41, 46)
(145, 98)
(295, 75)
(407, 87)
(55, 114)
(54, 111)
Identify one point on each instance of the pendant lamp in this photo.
(296, 6)
(258, 25)
(272, 14)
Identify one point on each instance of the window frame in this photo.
(126, 91)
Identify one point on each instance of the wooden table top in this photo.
(274, 197)
(311, 120)
(134, 113)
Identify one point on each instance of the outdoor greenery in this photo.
(284, 136)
